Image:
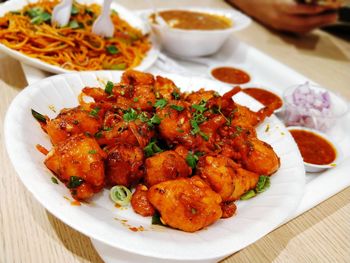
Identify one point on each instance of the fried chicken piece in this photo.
(78, 162)
(197, 97)
(218, 172)
(73, 121)
(166, 88)
(140, 203)
(175, 126)
(134, 77)
(165, 166)
(117, 130)
(188, 204)
(259, 157)
(124, 165)
(243, 181)
(226, 177)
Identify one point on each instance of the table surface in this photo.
(28, 233)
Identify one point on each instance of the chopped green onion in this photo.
(191, 160)
(154, 120)
(54, 180)
(175, 95)
(94, 112)
(35, 11)
(204, 136)
(75, 181)
(161, 103)
(74, 10)
(112, 50)
(263, 184)
(39, 117)
(74, 24)
(92, 152)
(120, 66)
(130, 115)
(156, 220)
(109, 87)
(120, 195)
(43, 17)
(151, 149)
(177, 107)
(248, 195)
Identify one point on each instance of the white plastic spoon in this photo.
(103, 25)
(61, 13)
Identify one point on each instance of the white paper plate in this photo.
(102, 221)
(130, 17)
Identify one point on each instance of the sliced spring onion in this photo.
(156, 220)
(112, 49)
(263, 184)
(120, 195)
(177, 107)
(120, 66)
(248, 195)
(109, 87)
(38, 116)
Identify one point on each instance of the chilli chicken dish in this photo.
(182, 157)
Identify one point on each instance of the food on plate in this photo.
(78, 162)
(188, 204)
(313, 148)
(265, 97)
(72, 47)
(230, 75)
(194, 20)
(189, 156)
(329, 3)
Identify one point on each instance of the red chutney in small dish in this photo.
(265, 97)
(313, 148)
(230, 75)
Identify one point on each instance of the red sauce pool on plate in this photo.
(265, 97)
(230, 75)
(313, 148)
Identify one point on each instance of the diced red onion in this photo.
(308, 107)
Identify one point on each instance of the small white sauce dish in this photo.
(316, 168)
(195, 43)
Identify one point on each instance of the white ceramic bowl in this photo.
(194, 43)
(316, 168)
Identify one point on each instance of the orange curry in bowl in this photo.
(192, 20)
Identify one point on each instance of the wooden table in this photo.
(28, 233)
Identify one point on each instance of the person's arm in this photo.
(287, 15)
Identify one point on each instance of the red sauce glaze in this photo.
(230, 75)
(265, 97)
(313, 148)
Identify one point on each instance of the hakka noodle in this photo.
(72, 47)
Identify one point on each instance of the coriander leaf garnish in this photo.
(177, 107)
(130, 115)
(94, 112)
(175, 95)
(152, 148)
(109, 87)
(112, 49)
(154, 120)
(74, 10)
(161, 103)
(75, 181)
